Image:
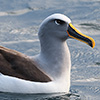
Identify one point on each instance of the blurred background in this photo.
(19, 24)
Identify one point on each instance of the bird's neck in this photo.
(54, 58)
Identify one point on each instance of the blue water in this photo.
(19, 23)
(10, 96)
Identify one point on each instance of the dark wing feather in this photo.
(13, 63)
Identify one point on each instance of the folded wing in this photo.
(16, 64)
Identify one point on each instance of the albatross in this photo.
(47, 72)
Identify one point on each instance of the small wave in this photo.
(88, 80)
(21, 41)
(91, 25)
(97, 63)
(19, 12)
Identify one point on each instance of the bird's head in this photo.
(60, 27)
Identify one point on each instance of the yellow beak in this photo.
(74, 33)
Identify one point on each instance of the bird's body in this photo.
(47, 72)
(25, 77)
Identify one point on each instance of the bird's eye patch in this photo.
(59, 22)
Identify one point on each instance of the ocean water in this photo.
(19, 24)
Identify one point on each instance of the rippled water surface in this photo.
(19, 23)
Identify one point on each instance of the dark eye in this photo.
(59, 22)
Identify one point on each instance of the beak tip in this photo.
(93, 43)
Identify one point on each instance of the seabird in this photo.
(47, 72)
